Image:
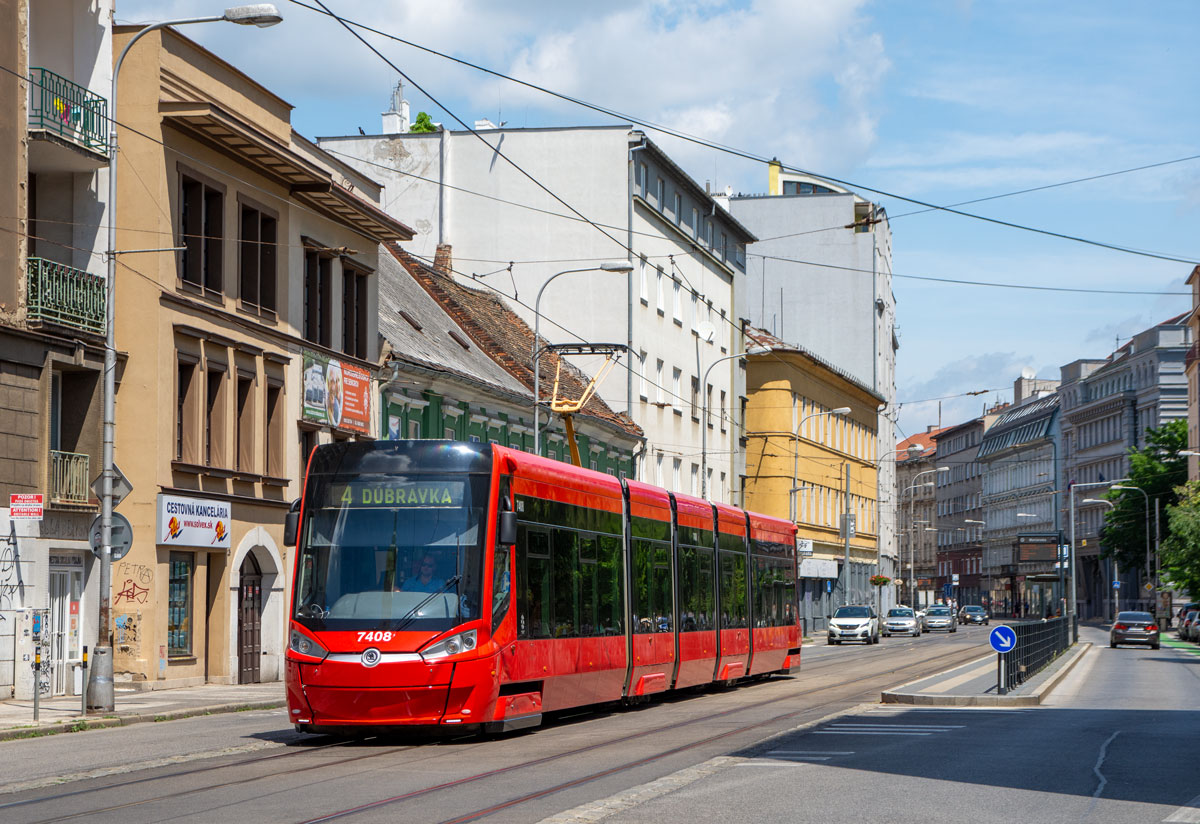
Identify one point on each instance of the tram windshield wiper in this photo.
(415, 611)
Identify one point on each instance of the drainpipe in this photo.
(629, 300)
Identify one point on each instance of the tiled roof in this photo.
(925, 440)
(500, 334)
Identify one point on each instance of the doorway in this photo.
(62, 643)
(250, 602)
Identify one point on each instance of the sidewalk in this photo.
(61, 714)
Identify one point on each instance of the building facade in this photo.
(253, 343)
(820, 275)
(54, 152)
(818, 468)
(960, 514)
(1107, 406)
(916, 459)
(616, 197)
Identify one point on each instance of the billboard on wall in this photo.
(336, 393)
(194, 522)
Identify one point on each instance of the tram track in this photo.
(242, 764)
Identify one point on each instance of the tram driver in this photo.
(425, 580)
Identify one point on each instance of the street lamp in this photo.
(100, 688)
(753, 350)
(1147, 502)
(912, 549)
(607, 266)
(1071, 511)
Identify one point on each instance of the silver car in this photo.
(901, 621)
(940, 617)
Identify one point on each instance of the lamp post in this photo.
(912, 523)
(912, 549)
(1116, 572)
(1147, 502)
(607, 266)
(753, 350)
(1071, 511)
(100, 687)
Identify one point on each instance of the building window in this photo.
(414, 430)
(660, 193)
(642, 180)
(318, 297)
(659, 287)
(695, 225)
(245, 423)
(643, 390)
(722, 411)
(660, 388)
(201, 214)
(677, 301)
(187, 411)
(677, 391)
(695, 398)
(308, 442)
(273, 443)
(449, 434)
(678, 212)
(354, 313)
(257, 257)
(708, 399)
(214, 419)
(179, 605)
(645, 286)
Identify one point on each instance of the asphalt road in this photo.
(251, 767)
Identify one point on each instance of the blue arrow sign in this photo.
(1002, 638)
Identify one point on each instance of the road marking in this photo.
(1189, 813)
(866, 732)
(936, 727)
(969, 675)
(811, 752)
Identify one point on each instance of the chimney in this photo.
(395, 120)
(443, 259)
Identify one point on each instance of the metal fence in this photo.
(67, 297)
(68, 477)
(1038, 643)
(68, 109)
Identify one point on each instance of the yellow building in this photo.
(812, 455)
(248, 334)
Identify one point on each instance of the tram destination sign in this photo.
(397, 494)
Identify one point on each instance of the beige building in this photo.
(805, 462)
(242, 348)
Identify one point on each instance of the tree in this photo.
(423, 124)
(1180, 554)
(1157, 469)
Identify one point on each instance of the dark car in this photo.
(1187, 628)
(972, 614)
(1134, 628)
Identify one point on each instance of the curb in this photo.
(1031, 699)
(108, 722)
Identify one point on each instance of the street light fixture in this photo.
(607, 266)
(100, 688)
(753, 350)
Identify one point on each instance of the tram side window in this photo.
(566, 598)
(733, 590)
(705, 613)
(533, 583)
(695, 589)
(663, 612)
(610, 571)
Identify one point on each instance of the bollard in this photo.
(1001, 683)
(37, 679)
(83, 685)
(100, 688)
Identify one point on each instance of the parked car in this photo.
(972, 614)
(1187, 629)
(902, 621)
(1182, 613)
(1134, 628)
(856, 622)
(940, 617)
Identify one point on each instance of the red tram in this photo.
(441, 583)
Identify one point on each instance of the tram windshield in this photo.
(391, 552)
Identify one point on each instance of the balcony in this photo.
(68, 477)
(1193, 353)
(66, 297)
(71, 113)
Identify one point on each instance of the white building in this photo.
(820, 275)
(628, 201)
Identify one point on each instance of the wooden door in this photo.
(249, 623)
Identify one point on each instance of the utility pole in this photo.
(846, 534)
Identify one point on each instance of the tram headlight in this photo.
(453, 645)
(301, 644)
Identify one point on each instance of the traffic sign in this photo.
(1116, 584)
(25, 506)
(1002, 638)
(122, 536)
(120, 485)
(1148, 586)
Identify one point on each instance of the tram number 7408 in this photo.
(378, 635)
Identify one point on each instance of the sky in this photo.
(941, 102)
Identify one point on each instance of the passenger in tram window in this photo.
(424, 580)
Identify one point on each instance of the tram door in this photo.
(250, 623)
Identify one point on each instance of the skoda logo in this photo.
(370, 657)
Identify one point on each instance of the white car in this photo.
(901, 621)
(854, 623)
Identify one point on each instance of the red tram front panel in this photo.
(775, 632)
(695, 563)
(732, 576)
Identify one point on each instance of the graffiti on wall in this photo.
(135, 582)
(126, 630)
(10, 574)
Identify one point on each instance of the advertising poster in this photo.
(194, 522)
(336, 393)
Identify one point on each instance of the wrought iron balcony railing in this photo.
(68, 477)
(69, 110)
(67, 297)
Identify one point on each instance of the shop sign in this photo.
(25, 507)
(336, 393)
(194, 522)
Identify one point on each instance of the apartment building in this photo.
(960, 514)
(915, 496)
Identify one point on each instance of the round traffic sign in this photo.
(122, 536)
(1002, 638)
